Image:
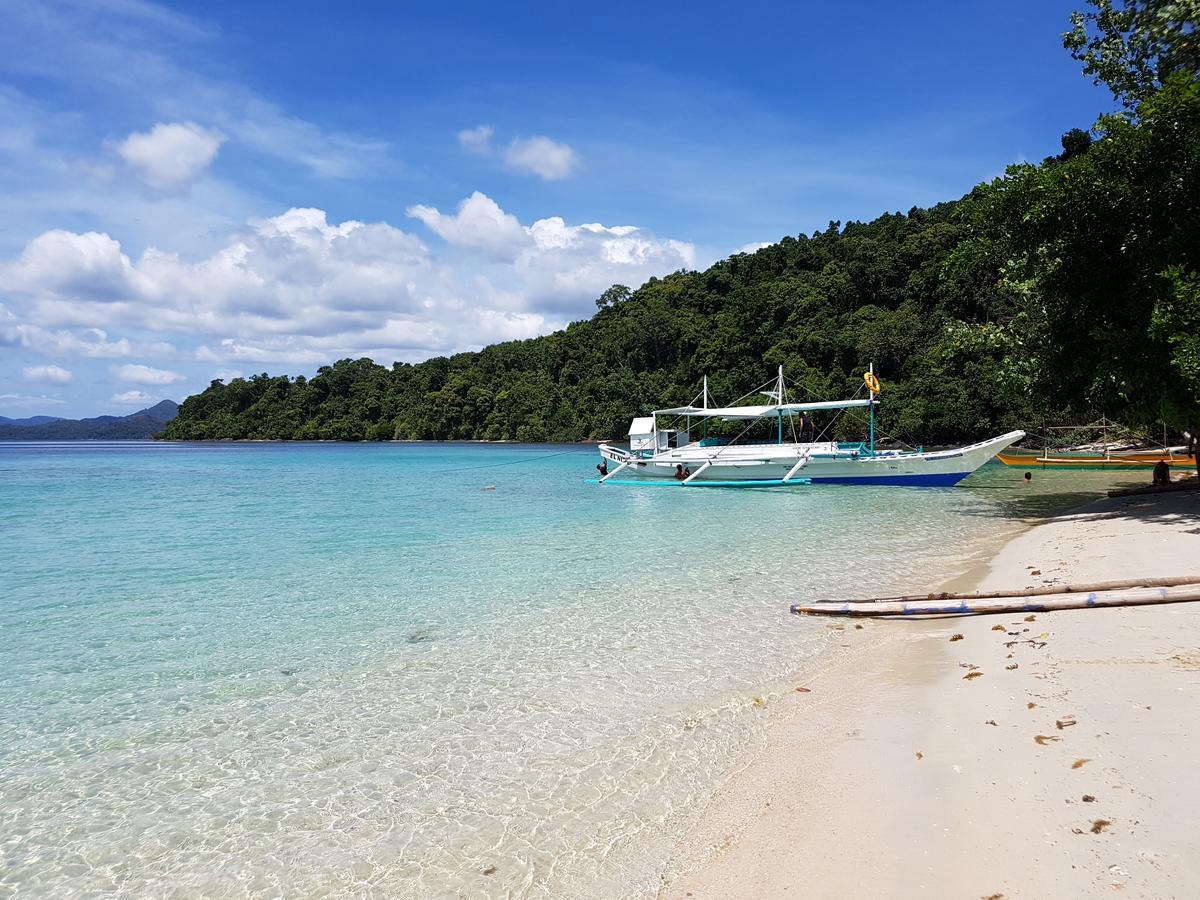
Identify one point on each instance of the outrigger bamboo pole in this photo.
(1045, 590)
(1143, 596)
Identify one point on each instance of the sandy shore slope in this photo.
(1068, 767)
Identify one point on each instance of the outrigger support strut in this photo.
(800, 464)
(696, 474)
(613, 472)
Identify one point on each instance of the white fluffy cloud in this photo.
(137, 374)
(476, 140)
(295, 291)
(753, 247)
(171, 155)
(24, 401)
(541, 156)
(478, 222)
(133, 398)
(49, 374)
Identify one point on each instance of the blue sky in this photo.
(204, 190)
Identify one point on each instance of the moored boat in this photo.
(670, 455)
(1094, 459)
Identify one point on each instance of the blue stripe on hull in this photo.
(945, 479)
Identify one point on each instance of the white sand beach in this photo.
(1065, 767)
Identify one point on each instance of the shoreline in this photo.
(896, 776)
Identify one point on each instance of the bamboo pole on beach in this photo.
(1189, 591)
(1174, 581)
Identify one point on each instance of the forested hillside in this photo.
(909, 292)
(1061, 290)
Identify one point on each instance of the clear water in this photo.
(386, 670)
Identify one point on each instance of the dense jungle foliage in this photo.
(1059, 291)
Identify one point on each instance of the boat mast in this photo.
(871, 408)
(779, 400)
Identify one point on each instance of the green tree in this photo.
(1136, 47)
(613, 296)
(1108, 243)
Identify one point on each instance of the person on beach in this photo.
(1162, 473)
(602, 468)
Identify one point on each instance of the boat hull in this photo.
(777, 465)
(1083, 460)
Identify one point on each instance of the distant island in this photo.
(138, 426)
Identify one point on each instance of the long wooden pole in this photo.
(902, 609)
(1175, 581)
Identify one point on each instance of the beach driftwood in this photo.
(1044, 590)
(968, 606)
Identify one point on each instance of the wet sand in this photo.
(1063, 764)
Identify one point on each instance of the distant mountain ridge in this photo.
(141, 425)
(32, 420)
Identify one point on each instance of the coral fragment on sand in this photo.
(1099, 825)
(955, 637)
(1088, 798)
(998, 628)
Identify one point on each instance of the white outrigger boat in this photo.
(670, 455)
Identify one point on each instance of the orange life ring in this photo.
(872, 382)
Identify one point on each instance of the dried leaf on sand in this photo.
(1079, 763)
(998, 628)
(1099, 825)
(1042, 739)
(970, 675)
(955, 637)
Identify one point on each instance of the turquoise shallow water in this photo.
(380, 670)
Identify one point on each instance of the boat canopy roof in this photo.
(759, 412)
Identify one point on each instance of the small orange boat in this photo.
(1095, 459)
(1102, 454)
